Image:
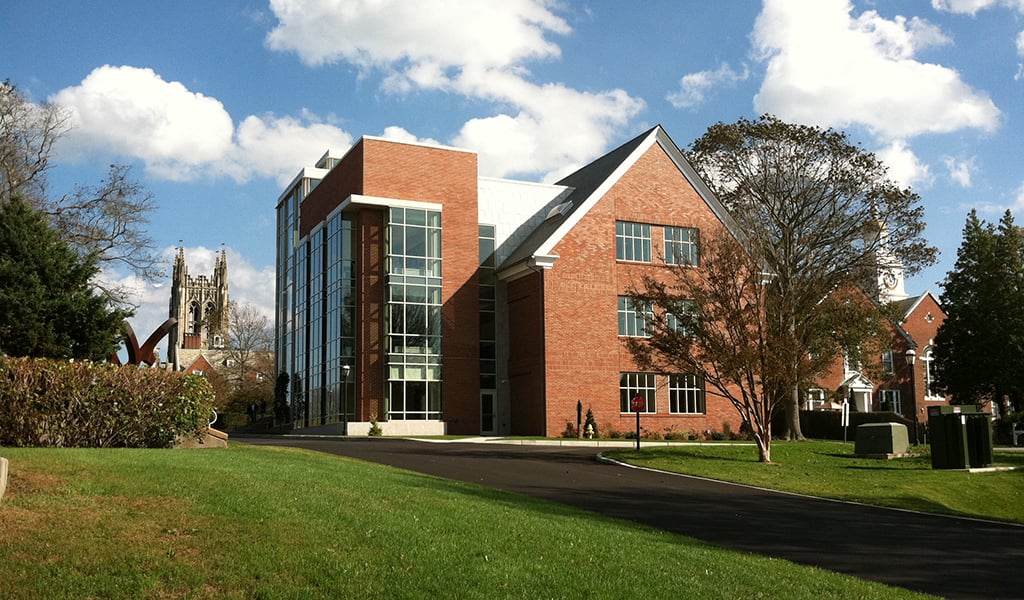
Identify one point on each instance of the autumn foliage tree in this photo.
(816, 213)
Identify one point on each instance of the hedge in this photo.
(98, 405)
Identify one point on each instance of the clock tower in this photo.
(888, 285)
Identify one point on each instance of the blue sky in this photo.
(216, 105)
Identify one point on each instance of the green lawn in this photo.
(252, 522)
(830, 470)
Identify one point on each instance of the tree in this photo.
(48, 307)
(715, 323)
(108, 220)
(979, 349)
(819, 215)
(250, 342)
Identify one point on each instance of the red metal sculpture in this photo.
(145, 354)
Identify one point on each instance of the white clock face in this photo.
(889, 279)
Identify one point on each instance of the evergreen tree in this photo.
(48, 307)
(979, 349)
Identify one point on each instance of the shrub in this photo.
(84, 404)
(591, 422)
(375, 430)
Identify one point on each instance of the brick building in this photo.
(413, 291)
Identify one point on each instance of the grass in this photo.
(830, 470)
(256, 522)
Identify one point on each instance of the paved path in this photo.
(954, 558)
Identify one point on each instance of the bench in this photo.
(1016, 432)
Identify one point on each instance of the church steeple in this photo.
(888, 285)
(200, 305)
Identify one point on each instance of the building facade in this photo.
(413, 292)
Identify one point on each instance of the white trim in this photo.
(917, 303)
(523, 268)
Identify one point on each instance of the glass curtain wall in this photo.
(340, 321)
(413, 314)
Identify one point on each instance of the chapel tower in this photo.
(200, 304)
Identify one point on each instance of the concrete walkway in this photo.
(946, 556)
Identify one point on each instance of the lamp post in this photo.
(345, 370)
(910, 355)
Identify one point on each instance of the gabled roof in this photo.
(589, 184)
(907, 306)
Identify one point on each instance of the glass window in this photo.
(686, 394)
(414, 314)
(681, 246)
(887, 364)
(890, 400)
(632, 241)
(633, 316)
(632, 385)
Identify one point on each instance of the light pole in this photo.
(345, 370)
(910, 355)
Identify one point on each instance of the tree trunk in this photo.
(764, 448)
(792, 426)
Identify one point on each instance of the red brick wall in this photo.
(345, 179)
(371, 378)
(923, 331)
(585, 354)
(526, 355)
(448, 177)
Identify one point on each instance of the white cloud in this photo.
(399, 134)
(694, 87)
(971, 7)
(426, 35)
(961, 170)
(828, 68)
(182, 135)
(246, 284)
(904, 166)
(131, 111)
(476, 49)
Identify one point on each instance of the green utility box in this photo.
(961, 437)
(881, 440)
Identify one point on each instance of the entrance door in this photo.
(488, 401)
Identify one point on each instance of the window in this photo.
(887, 364)
(891, 401)
(686, 394)
(413, 314)
(633, 316)
(632, 385)
(681, 246)
(815, 398)
(929, 381)
(632, 241)
(684, 321)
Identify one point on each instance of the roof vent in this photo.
(562, 209)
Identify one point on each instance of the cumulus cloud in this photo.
(694, 87)
(182, 135)
(428, 36)
(246, 284)
(904, 166)
(971, 7)
(827, 67)
(961, 170)
(476, 49)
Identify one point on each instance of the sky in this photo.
(216, 106)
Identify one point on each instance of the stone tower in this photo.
(200, 304)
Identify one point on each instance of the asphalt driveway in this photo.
(950, 557)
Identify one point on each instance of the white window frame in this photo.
(686, 394)
(632, 384)
(632, 239)
(631, 321)
(680, 251)
(893, 396)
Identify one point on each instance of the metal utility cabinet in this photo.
(961, 437)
